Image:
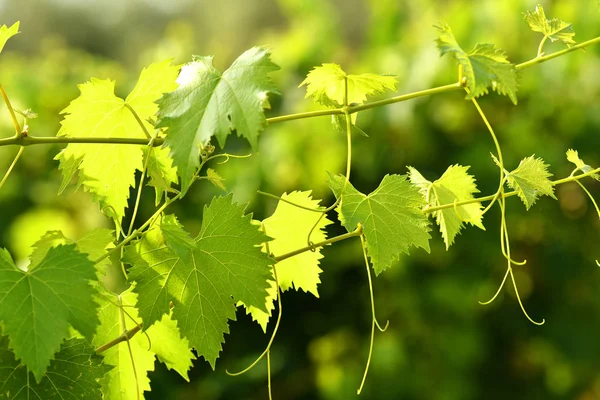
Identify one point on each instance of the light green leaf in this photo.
(37, 306)
(164, 342)
(554, 29)
(203, 277)
(485, 66)
(289, 227)
(73, 374)
(120, 382)
(39, 249)
(170, 348)
(216, 179)
(161, 172)
(209, 103)
(573, 156)
(326, 85)
(108, 170)
(391, 217)
(6, 33)
(454, 185)
(530, 180)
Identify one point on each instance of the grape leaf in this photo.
(326, 85)
(485, 66)
(530, 180)
(108, 170)
(161, 172)
(203, 277)
(391, 217)
(120, 382)
(554, 29)
(454, 185)
(95, 243)
(216, 179)
(289, 227)
(170, 348)
(209, 103)
(6, 33)
(38, 305)
(73, 374)
(573, 156)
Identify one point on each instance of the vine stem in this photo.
(32, 140)
(542, 59)
(12, 112)
(268, 349)
(557, 182)
(139, 230)
(357, 232)
(12, 165)
(373, 317)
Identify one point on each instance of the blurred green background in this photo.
(441, 343)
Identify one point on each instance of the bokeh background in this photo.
(441, 343)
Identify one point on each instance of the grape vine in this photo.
(89, 317)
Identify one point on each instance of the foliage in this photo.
(175, 293)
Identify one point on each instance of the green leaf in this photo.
(163, 341)
(485, 66)
(209, 103)
(170, 348)
(37, 306)
(73, 374)
(216, 179)
(554, 29)
(95, 243)
(108, 170)
(6, 33)
(530, 180)
(573, 156)
(326, 85)
(161, 172)
(289, 227)
(454, 185)
(391, 217)
(120, 382)
(203, 277)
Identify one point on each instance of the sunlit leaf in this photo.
(289, 227)
(108, 170)
(391, 217)
(326, 85)
(209, 103)
(554, 29)
(455, 185)
(485, 66)
(6, 33)
(530, 180)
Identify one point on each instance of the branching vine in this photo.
(184, 290)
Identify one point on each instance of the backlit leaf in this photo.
(485, 66)
(7, 32)
(454, 185)
(573, 156)
(391, 217)
(530, 180)
(209, 103)
(326, 85)
(108, 170)
(289, 227)
(554, 29)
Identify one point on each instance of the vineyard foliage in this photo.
(68, 330)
